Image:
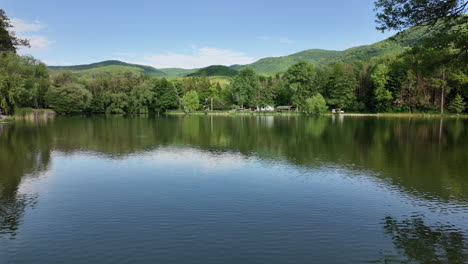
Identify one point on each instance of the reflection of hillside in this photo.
(425, 157)
(417, 242)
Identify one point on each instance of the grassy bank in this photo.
(31, 114)
(7, 118)
(290, 113)
(422, 115)
(234, 113)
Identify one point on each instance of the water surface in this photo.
(205, 189)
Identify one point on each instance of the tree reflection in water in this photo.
(424, 158)
(25, 152)
(11, 212)
(418, 242)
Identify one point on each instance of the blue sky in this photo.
(188, 34)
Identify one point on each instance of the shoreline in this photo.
(230, 113)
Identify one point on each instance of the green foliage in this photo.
(190, 102)
(457, 105)
(9, 42)
(244, 86)
(341, 86)
(382, 96)
(401, 14)
(215, 70)
(300, 79)
(23, 82)
(315, 105)
(141, 97)
(166, 97)
(69, 98)
(117, 103)
(23, 111)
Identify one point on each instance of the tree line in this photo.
(388, 84)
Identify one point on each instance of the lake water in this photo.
(213, 189)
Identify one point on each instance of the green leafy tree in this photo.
(446, 21)
(382, 96)
(300, 79)
(408, 90)
(9, 42)
(165, 96)
(244, 86)
(24, 82)
(264, 94)
(70, 98)
(141, 97)
(190, 102)
(402, 14)
(315, 105)
(341, 87)
(457, 105)
(213, 99)
(117, 103)
(458, 78)
(203, 89)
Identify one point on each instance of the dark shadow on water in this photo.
(415, 241)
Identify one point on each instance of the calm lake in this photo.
(234, 189)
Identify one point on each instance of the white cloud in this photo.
(200, 57)
(20, 26)
(39, 42)
(287, 41)
(24, 30)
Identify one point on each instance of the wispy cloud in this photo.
(27, 30)
(39, 42)
(21, 26)
(200, 57)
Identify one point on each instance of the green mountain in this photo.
(393, 45)
(109, 66)
(279, 64)
(177, 72)
(215, 70)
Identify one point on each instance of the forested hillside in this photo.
(215, 70)
(110, 66)
(176, 72)
(394, 45)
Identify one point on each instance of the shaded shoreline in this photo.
(294, 113)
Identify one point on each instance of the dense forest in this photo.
(429, 76)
